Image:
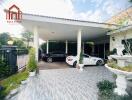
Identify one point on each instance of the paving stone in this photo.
(65, 84)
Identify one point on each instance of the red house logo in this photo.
(13, 14)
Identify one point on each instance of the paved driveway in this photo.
(54, 65)
(65, 84)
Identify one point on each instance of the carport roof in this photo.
(53, 28)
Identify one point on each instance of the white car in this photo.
(87, 60)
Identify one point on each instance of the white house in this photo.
(52, 28)
(124, 32)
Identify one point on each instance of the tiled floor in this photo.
(64, 84)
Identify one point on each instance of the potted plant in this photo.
(81, 65)
(32, 64)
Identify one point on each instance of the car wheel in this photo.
(74, 64)
(99, 63)
(49, 60)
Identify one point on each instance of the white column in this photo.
(78, 45)
(47, 46)
(66, 48)
(36, 41)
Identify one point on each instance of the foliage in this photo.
(19, 43)
(114, 51)
(28, 37)
(106, 91)
(105, 85)
(113, 64)
(4, 38)
(12, 82)
(81, 58)
(32, 64)
(4, 69)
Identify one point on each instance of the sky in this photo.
(89, 10)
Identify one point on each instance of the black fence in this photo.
(11, 60)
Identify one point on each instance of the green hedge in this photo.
(12, 82)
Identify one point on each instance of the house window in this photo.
(126, 43)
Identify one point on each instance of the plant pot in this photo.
(32, 73)
(81, 67)
(121, 81)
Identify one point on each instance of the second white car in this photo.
(87, 60)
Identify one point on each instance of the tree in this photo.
(4, 38)
(27, 37)
(19, 43)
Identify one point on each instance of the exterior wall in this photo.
(119, 37)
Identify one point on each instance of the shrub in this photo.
(12, 82)
(32, 64)
(127, 68)
(4, 69)
(105, 85)
(106, 92)
(114, 51)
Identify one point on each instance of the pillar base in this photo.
(120, 92)
(121, 84)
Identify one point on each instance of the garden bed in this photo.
(12, 82)
(125, 68)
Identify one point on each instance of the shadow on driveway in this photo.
(54, 65)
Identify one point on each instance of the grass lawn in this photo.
(12, 82)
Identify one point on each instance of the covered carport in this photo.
(67, 30)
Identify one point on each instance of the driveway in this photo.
(54, 65)
(64, 84)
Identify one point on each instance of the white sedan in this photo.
(87, 60)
